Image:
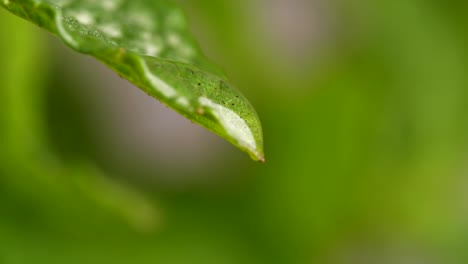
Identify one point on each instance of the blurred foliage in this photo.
(367, 152)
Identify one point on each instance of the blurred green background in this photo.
(364, 106)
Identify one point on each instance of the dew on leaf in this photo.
(112, 30)
(84, 18)
(148, 43)
(110, 5)
(233, 124)
(162, 87)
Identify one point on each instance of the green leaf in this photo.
(148, 43)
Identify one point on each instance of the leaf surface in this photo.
(148, 43)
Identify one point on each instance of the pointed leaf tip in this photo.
(148, 43)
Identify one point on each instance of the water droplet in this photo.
(152, 50)
(234, 125)
(110, 5)
(159, 85)
(112, 30)
(59, 21)
(84, 18)
(142, 20)
(174, 39)
(182, 101)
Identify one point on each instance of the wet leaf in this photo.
(148, 43)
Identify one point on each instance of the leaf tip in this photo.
(262, 159)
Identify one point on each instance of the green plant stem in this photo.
(21, 87)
